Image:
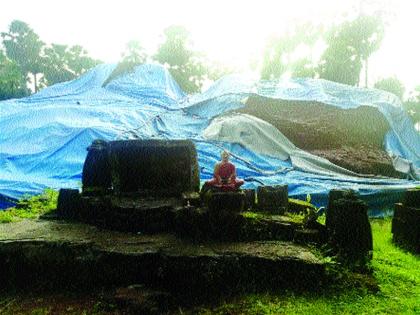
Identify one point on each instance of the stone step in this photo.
(59, 254)
(168, 215)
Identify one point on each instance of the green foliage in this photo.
(31, 207)
(395, 272)
(188, 67)
(392, 85)
(24, 47)
(29, 58)
(133, 56)
(278, 53)
(12, 83)
(349, 45)
(63, 63)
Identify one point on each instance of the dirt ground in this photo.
(351, 138)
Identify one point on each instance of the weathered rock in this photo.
(309, 236)
(250, 199)
(273, 199)
(412, 198)
(231, 202)
(350, 138)
(332, 216)
(145, 215)
(96, 177)
(349, 228)
(406, 227)
(137, 299)
(154, 167)
(191, 199)
(200, 224)
(69, 203)
(57, 254)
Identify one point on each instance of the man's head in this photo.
(225, 156)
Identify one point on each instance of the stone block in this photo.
(96, 176)
(157, 167)
(229, 202)
(68, 203)
(191, 199)
(250, 198)
(273, 199)
(412, 198)
(349, 228)
(406, 227)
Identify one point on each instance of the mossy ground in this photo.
(31, 207)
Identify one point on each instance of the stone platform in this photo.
(60, 254)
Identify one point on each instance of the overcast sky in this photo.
(232, 32)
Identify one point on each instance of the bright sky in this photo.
(232, 32)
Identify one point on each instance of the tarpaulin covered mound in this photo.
(351, 138)
(44, 137)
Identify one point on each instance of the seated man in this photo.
(224, 176)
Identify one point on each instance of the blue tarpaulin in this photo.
(43, 138)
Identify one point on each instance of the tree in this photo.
(303, 68)
(24, 47)
(12, 83)
(133, 56)
(134, 53)
(392, 85)
(64, 63)
(349, 45)
(280, 50)
(188, 67)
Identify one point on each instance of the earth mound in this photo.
(351, 138)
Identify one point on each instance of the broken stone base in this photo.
(273, 199)
(406, 227)
(58, 254)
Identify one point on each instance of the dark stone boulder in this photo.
(250, 199)
(406, 221)
(96, 177)
(138, 299)
(349, 229)
(272, 199)
(156, 167)
(412, 198)
(68, 203)
(230, 202)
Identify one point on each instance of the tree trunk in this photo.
(35, 83)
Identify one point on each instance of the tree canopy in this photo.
(24, 47)
(392, 85)
(349, 45)
(12, 84)
(189, 68)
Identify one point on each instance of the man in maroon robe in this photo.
(224, 176)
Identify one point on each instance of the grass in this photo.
(394, 271)
(31, 207)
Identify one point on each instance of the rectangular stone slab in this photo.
(58, 254)
(159, 167)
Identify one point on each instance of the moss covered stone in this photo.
(273, 199)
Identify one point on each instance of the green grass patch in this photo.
(393, 288)
(31, 207)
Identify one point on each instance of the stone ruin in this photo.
(147, 224)
(406, 221)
